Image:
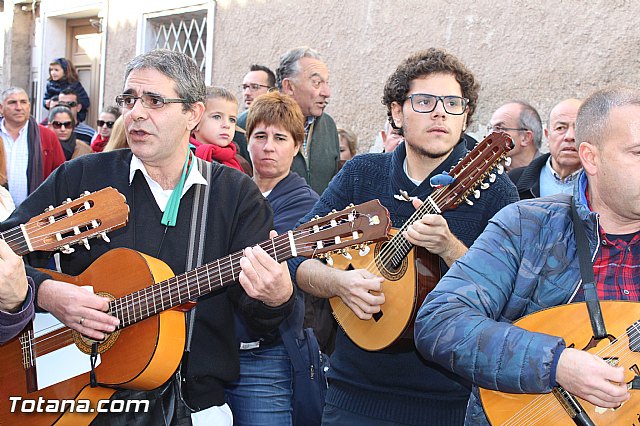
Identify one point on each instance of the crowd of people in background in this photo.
(276, 157)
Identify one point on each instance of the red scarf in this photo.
(222, 154)
(99, 143)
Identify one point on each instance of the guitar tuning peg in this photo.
(68, 200)
(468, 201)
(86, 193)
(347, 255)
(484, 185)
(329, 260)
(50, 208)
(500, 168)
(492, 177)
(334, 211)
(67, 249)
(476, 193)
(104, 237)
(364, 250)
(507, 161)
(85, 242)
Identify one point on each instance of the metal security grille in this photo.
(185, 32)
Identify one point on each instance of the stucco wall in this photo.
(540, 51)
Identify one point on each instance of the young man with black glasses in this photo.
(431, 98)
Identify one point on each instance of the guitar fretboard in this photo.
(189, 286)
(15, 239)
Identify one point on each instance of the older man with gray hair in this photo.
(32, 151)
(166, 186)
(522, 122)
(303, 74)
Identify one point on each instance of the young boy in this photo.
(213, 136)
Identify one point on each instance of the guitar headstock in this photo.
(473, 169)
(353, 227)
(75, 221)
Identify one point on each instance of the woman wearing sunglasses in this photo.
(62, 123)
(106, 119)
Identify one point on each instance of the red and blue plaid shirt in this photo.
(616, 268)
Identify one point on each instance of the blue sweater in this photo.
(394, 385)
(290, 199)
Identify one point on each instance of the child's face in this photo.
(55, 71)
(218, 124)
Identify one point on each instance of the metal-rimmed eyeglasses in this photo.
(425, 102)
(147, 100)
(499, 128)
(253, 87)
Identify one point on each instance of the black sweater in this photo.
(238, 217)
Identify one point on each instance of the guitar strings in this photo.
(131, 300)
(548, 403)
(397, 243)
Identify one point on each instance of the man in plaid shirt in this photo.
(526, 260)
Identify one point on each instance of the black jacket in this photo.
(527, 178)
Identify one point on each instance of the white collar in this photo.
(161, 195)
(4, 130)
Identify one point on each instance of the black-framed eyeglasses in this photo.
(147, 100)
(425, 102)
(253, 87)
(60, 124)
(108, 123)
(498, 128)
(71, 104)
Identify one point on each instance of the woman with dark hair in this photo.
(62, 123)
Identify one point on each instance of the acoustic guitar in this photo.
(409, 272)
(621, 347)
(74, 222)
(145, 350)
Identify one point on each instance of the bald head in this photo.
(560, 133)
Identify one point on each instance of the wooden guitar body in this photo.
(572, 323)
(405, 288)
(142, 356)
(147, 346)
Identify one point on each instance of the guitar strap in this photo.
(195, 257)
(588, 279)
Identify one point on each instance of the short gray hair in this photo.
(530, 120)
(592, 122)
(289, 66)
(10, 91)
(178, 67)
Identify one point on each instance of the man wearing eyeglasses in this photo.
(165, 185)
(522, 122)
(430, 98)
(69, 98)
(258, 81)
(32, 151)
(555, 172)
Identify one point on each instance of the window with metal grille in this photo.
(185, 32)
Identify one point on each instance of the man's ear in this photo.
(397, 115)
(287, 87)
(195, 115)
(588, 157)
(78, 107)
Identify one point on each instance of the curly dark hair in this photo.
(422, 64)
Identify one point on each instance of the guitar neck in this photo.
(14, 237)
(193, 284)
(399, 242)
